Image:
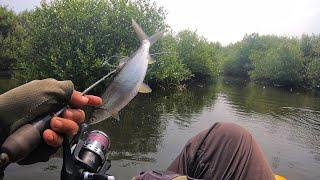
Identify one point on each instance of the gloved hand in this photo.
(27, 102)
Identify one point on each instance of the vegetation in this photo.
(169, 68)
(200, 56)
(71, 39)
(11, 36)
(237, 57)
(277, 60)
(310, 47)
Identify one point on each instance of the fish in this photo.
(129, 80)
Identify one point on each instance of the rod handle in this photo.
(25, 139)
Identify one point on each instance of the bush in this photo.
(279, 63)
(271, 59)
(313, 73)
(11, 36)
(69, 39)
(238, 63)
(310, 47)
(200, 56)
(168, 68)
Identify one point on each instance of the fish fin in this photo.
(116, 116)
(150, 60)
(155, 37)
(144, 88)
(141, 35)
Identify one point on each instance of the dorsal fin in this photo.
(155, 37)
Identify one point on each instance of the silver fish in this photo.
(129, 80)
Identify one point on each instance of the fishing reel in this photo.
(86, 159)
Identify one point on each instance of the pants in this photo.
(224, 151)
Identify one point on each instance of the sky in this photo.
(227, 21)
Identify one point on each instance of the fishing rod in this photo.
(24, 140)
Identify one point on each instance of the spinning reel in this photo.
(87, 159)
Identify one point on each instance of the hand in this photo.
(71, 118)
(27, 102)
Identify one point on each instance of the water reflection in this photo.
(145, 119)
(301, 110)
(290, 119)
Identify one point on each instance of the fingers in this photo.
(64, 126)
(78, 100)
(52, 138)
(68, 124)
(76, 115)
(94, 100)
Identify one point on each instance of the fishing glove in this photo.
(26, 103)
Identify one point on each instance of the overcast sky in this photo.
(229, 20)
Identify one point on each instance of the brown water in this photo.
(154, 128)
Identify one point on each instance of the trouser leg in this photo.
(225, 151)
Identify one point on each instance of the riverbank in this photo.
(232, 81)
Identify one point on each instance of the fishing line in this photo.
(89, 88)
(106, 62)
(166, 52)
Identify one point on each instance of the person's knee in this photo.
(221, 134)
(231, 131)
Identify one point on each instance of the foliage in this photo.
(200, 56)
(310, 47)
(314, 73)
(275, 59)
(278, 62)
(69, 39)
(11, 35)
(238, 63)
(168, 68)
(230, 66)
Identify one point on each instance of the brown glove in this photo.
(25, 103)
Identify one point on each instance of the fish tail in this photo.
(155, 37)
(142, 35)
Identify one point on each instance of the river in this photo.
(154, 128)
